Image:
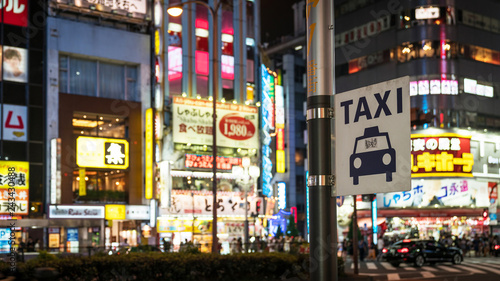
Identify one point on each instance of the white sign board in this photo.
(237, 125)
(137, 212)
(372, 129)
(76, 212)
(15, 122)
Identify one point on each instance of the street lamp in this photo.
(175, 11)
(246, 174)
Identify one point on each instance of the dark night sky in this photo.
(276, 19)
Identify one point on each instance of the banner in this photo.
(237, 125)
(431, 193)
(202, 205)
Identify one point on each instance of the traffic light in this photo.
(258, 206)
(485, 213)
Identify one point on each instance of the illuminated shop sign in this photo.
(174, 63)
(232, 204)
(266, 125)
(19, 180)
(281, 195)
(466, 193)
(15, 12)
(115, 212)
(227, 67)
(137, 212)
(433, 87)
(166, 225)
(441, 155)
(206, 161)
(472, 87)
(423, 13)
(129, 6)
(148, 159)
(358, 33)
(76, 212)
(102, 153)
(280, 129)
(237, 124)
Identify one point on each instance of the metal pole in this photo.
(215, 77)
(320, 89)
(355, 237)
(246, 220)
(192, 227)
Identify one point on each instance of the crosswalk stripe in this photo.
(393, 276)
(409, 268)
(428, 268)
(448, 268)
(471, 269)
(427, 274)
(387, 266)
(371, 265)
(496, 271)
(493, 264)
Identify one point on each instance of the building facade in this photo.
(449, 51)
(98, 67)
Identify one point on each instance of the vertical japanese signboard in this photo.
(149, 154)
(280, 130)
(266, 112)
(19, 182)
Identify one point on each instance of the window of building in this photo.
(97, 78)
(102, 185)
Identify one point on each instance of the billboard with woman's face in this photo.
(15, 64)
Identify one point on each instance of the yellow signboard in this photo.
(54, 240)
(82, 183)
(21, 174)
(115, 212)
(14, 175)
(149, 154)
(280, 161)
(102, 153)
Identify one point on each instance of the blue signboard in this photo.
(72, 235)
(266, 108)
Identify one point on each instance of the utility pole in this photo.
(321, 180)
(355, 236)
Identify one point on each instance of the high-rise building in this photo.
(450, 52)
(98, 77)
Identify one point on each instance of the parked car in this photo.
(138, 249)
(418, 252)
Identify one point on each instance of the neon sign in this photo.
(441, 155)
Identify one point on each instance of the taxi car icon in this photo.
(372, 155)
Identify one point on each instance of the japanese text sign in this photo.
(237, 125)
(206, 161)
(441, 155)
(102, 153)
(14, 11)
(432, 193)
(228, 205)
(15, 200)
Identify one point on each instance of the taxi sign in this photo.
(372, 129)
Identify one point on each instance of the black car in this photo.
(419, 252)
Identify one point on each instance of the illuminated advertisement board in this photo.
(94, 152)
(280, 129)
(206, 161)
(435, 193)
(14, 12)
(441, 155)
(20, 178)
(237, 125)
(266, 108)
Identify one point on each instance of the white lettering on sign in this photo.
(435, 144)
(493, 160)
(363, 110)
(12, 5)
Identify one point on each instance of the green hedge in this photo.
(173, 266)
